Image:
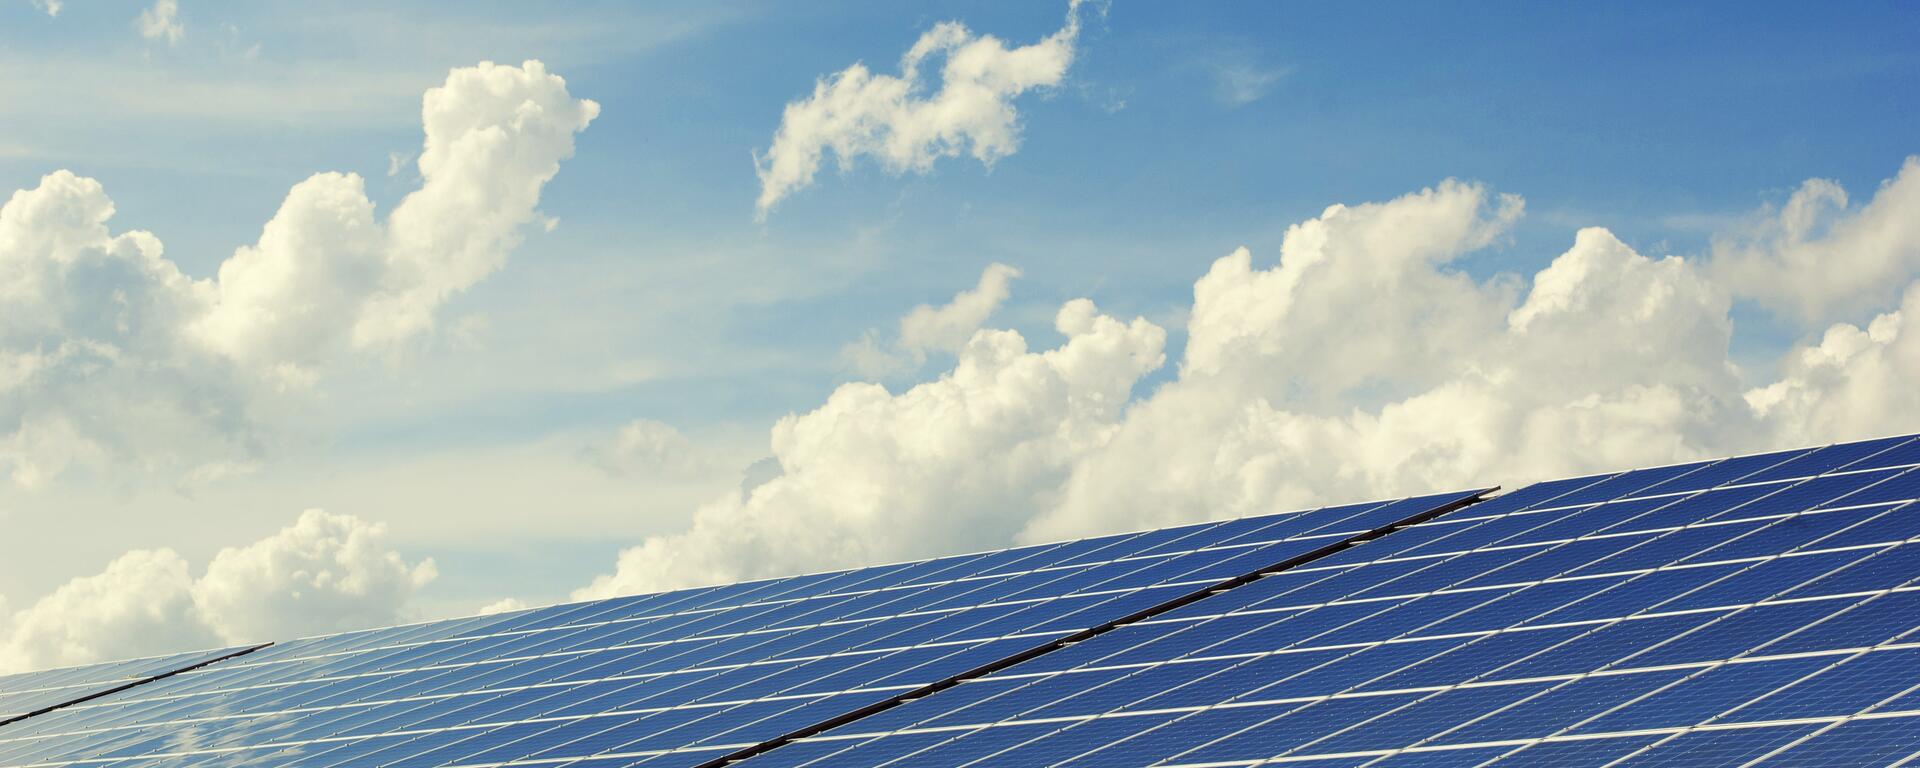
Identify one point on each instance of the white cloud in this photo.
(111, 358)
(94, 367)
(1853, 381)
(503, 605)
(1823, 260)
(325, 273)
(1239, 79)
(927, 328)
(871, 476)
(142, 603)
(324, 573)
(1612, 360)
(397, 162)
(894, 119)
(52, 7)
(949, 327)
(648, 448)
(162, 22)
(1361, 303)
(1360, 365)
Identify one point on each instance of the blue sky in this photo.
(1179, 133)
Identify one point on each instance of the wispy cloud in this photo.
(207, 98)
(161, 22)
(1240, 77)
(305, 68)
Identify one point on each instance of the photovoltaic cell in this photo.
(1706, 614)
(670, 679)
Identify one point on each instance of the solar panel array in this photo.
(1754, 610)
(680, 678)
(1706, 614)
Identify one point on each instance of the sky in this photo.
(317, 316)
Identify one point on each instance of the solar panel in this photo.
(678, 678)
(26, 694)
(1759, 609)
(1756, 608)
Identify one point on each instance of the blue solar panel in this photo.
(1755, 609)
(28, 693)
(671, 679)
(1702, 614)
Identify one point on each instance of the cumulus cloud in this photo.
(1360, 364)
(159, 22)
(325, 273)
(897, 121)
(1361, 301)
(1852, 381)
(1613, 359)
(111, 357)
(95, 366)
(140, 604)
(1823, 259)
(873, 476)
(324, 573)
(926, 328)
(51, 7)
